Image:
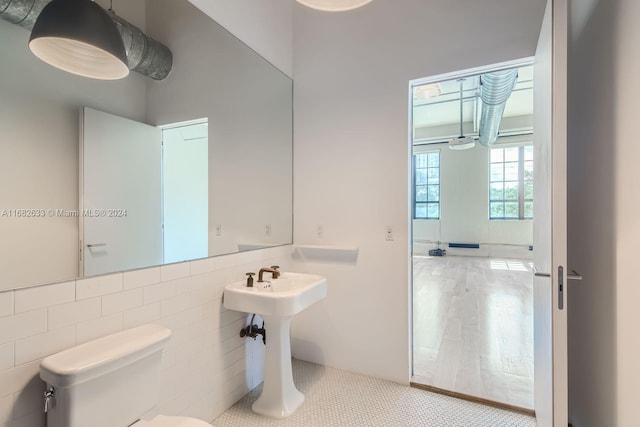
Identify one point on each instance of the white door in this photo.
(120, 194)
(550, 213)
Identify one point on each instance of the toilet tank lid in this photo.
(103, 355)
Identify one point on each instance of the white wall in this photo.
(265, 26)
(351, 156)
(464, 211)
(39, 111)
(206, 367)
(627, 207)
(604, 374)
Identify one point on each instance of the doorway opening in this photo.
(472, 234)
(185, 190)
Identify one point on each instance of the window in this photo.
(511, 183)
(426, 188)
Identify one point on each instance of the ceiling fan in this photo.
(462, 142)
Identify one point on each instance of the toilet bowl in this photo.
(110, 382)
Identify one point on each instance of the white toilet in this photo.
(110, 382)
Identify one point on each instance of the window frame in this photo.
(522, 181)
(414, 186)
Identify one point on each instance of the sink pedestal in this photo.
(277, 301)
(280, 397)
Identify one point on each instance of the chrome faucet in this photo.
(275, 273)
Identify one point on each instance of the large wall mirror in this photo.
(216, 179)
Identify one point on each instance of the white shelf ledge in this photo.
(326, 253)
(327, 248)
(249, 246)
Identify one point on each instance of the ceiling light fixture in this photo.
(462, 142)
(79, 36)
(427, 91)
(334, 5)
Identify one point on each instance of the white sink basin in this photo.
(277, 301)
(286, 296)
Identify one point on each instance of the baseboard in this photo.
(474, 399)
(485, 250)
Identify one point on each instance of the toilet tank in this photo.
(109, 382)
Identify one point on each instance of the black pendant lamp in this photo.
(79, 36)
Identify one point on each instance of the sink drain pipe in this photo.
(252, 331)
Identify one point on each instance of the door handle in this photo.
(539, 274)
(574, 275)
(96, 245)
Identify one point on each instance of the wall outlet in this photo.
(320, 231)
(219, 230)
(389, 234)
(267, 230)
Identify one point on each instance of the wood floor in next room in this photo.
(473, 327)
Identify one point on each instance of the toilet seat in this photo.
(163, 421)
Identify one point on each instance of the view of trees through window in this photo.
(511, 183)
(426, 174)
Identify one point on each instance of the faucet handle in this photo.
(276, 273)
(250, 279)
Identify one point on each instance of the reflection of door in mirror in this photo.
(144, 193)
(185, 190)
(120, 194)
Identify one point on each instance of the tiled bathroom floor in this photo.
(340, 398)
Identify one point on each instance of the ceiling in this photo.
(439, 116)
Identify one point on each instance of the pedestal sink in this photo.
(277, 301)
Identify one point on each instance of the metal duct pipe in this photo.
(495, 91)
(144, 54)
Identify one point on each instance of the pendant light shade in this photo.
(334, 5)
(79, 36)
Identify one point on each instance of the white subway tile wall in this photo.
(6, 356)
(6, 304)
(207, 367)
(44, 296)
(87, 331)
(174, 271)
(159, 292)
(74, 312)
(98, 286)
(203, 266)
(22, 325)
(140, 278)
(122, 301)
(6, 405)
(38, 346)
